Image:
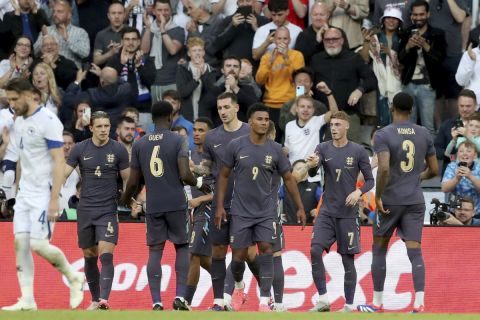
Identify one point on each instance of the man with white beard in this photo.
(346, 73)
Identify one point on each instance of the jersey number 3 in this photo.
(409, 149)
(156, 164)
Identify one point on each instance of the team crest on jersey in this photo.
(306, 131)
(349, 161)
(31, 131)
(110, 158)
(268, 159)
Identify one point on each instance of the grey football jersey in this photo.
(408, 145)
(253, 169)
(99, 170)
(156, 155)
(214, 148)
(341, 168)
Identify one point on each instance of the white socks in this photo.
(25, 267)
(377, 298)
(239, 285)
(323, 298)
(419, 299)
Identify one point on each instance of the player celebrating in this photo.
(162, 158)
(101, 160)
(200, 246)
(37, 143)
(342, 161)
(216, 143)
(254, 159)
(402, 149)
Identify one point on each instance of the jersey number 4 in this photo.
(409, 149)
(156, 164)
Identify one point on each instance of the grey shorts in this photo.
(220, 236)
(163, 226)
(91, 231)
(200, 243)
(245, 232)
(279, 244)
(408, 220)
(345, 231)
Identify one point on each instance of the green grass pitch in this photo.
(205, 315)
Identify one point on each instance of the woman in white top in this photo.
(44, 80)
(18, 63)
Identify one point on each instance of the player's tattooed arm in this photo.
(187, 176)
(125, 173)
(204, 168)
(300, 172)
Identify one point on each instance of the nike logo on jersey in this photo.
(351, 248)
(243, 157)
(108, 235)
(217, 145)
(85, 158)
(328, 159)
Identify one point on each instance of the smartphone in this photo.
(87, 113)
(86, 66)
(458, 123)
(414, 32)
(375, 30)
(271, 30)
(462, 164)
(245, 11)
(300, 91)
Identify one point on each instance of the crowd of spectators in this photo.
(303, 59)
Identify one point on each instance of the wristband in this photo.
(163, 33)
(329, 94)
(199, 182)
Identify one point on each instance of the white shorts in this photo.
(31, 216)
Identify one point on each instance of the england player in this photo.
(161, 157)
(342, 161)
(216, 142)
(253, 158)
(37, 144)
(200, 246)
(402, 149)
(101, 160)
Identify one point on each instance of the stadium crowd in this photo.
(99, 67)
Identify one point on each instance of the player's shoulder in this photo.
(212, 134)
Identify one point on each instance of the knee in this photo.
(90, 252)
(157, 247)
(219, 252)
(264, 247)
(38, 245)
(316, 251)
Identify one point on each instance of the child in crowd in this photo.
(459, 135)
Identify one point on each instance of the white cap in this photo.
(392, 12)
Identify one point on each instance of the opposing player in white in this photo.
(37, 142)
(8, 167)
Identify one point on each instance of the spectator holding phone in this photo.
(462, 177)
(421, 53)
(470, 132)
(81, 121)
(466, 105)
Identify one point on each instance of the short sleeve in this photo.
(283, 165)
(229, 156)
(73, 158)
(379, 142)
(449, 172)
(135, 160)
(53, 133)
(123, 161)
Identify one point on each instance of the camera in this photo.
(442, 211)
